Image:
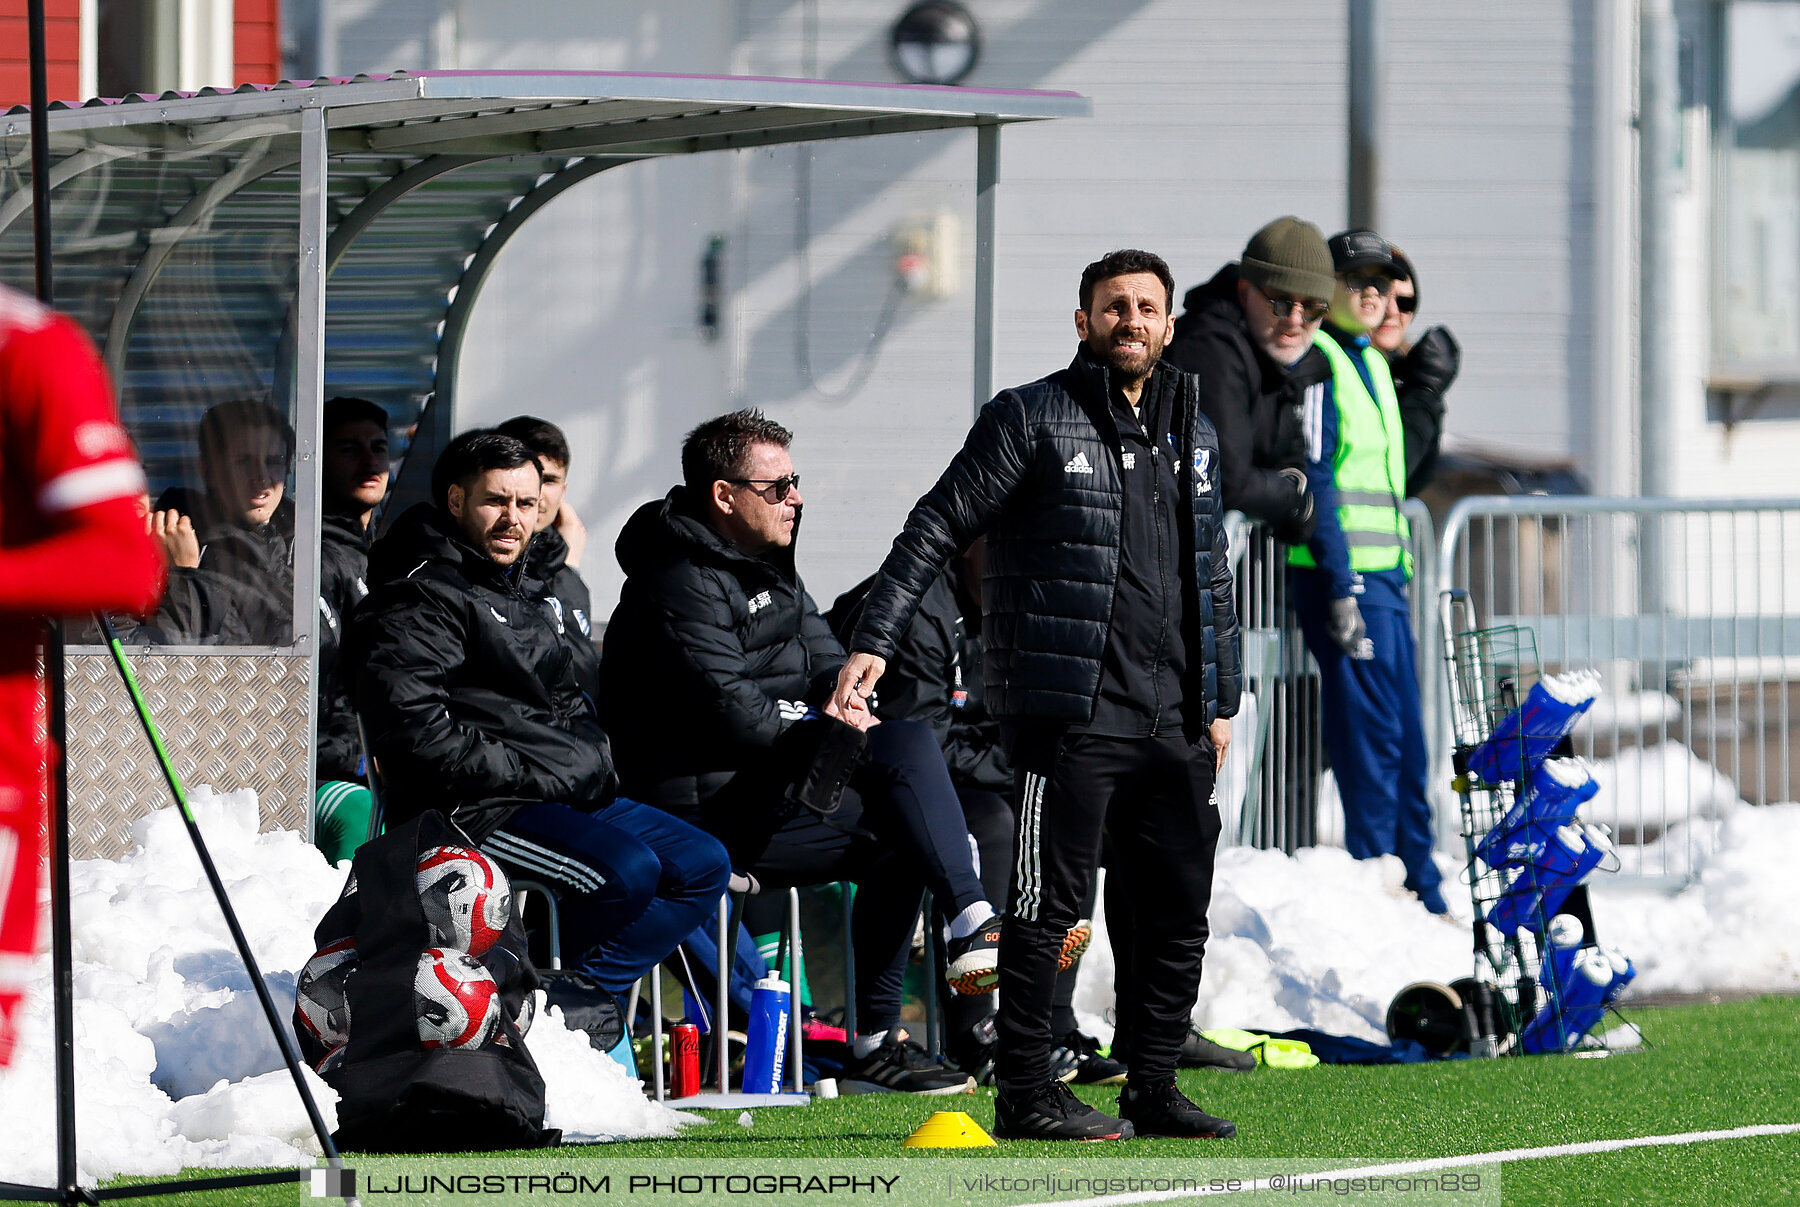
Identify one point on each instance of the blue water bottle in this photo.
(765, 1040)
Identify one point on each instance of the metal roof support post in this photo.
(987, 182)
(442, 411)
(309, 414)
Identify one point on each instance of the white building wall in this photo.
(1209, 119)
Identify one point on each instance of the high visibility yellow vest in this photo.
(1370, 465)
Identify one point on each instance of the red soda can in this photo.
(684, 1060)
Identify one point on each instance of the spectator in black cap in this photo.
(1350, 580)
(1248, 335)
(1423, 370)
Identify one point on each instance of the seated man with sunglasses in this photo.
(1350, 580)
(1248, 335)
(716, 679)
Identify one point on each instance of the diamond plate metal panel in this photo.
(232, 721)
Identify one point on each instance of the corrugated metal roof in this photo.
(191, 201)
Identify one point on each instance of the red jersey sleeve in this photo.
(71, 539)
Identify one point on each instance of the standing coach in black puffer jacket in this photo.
(1112, 663)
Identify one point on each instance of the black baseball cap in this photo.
(1360, 249)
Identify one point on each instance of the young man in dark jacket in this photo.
(239, 587)
(472, 707)
(353, 476)
(1247, 335)
(553, 559)
(717, 675)
(1112, 660)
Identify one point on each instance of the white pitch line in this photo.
(1430, 1163)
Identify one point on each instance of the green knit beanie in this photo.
(1289, 256)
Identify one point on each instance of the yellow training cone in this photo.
(950, 1129)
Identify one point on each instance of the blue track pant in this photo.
(1374, 732)
(631, 881)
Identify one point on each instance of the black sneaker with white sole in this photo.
(1166, 1111)
(900, 1066)
(1076, 1059)
(1054, 1113)
(974, 959)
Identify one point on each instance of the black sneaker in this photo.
(1199, 1052)
(1076, 1059)
(1166, 1111)
(974, 960)
(973, 1051)
(1054, 1113)
(900, 1066)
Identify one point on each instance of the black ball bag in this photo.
(395, 1094)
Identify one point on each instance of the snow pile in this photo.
(1643, 789)
(1321, 940)
(174, 1062)
(1316, 939)
(1731, 930)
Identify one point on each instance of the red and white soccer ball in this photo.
(324, 1008)
(459, 1005)
(466, 898)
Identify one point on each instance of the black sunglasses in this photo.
(782, 484)
(1310, 312)
(1357, 282)
(1406, 304)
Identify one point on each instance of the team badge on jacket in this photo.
(1203, 482)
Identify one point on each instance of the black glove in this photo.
(1349, 631)
(1296, 528)
(1434, 361)
(1303, 499)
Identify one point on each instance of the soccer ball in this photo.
(458, 1003)
(466, 898)
(319, 994)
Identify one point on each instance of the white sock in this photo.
(971, 920)
(862, 1045)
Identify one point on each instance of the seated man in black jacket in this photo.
(353, 478)
(717, 672)
(1247, 334)
(553, 559)
(233, 583)
(469, 696)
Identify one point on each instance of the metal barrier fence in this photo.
(1286, 759)
(1690, 608)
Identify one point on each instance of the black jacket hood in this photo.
(1216, 301)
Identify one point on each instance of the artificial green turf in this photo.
(1704, 1067)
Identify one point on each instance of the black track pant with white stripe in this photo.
(1154, 799)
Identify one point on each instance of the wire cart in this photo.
(1541, 983)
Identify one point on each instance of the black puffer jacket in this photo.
(1254, 404)
(1053, 546)
(343, 582)
(466, 689)
(935, 678)
(711, 655)
(571, 607)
